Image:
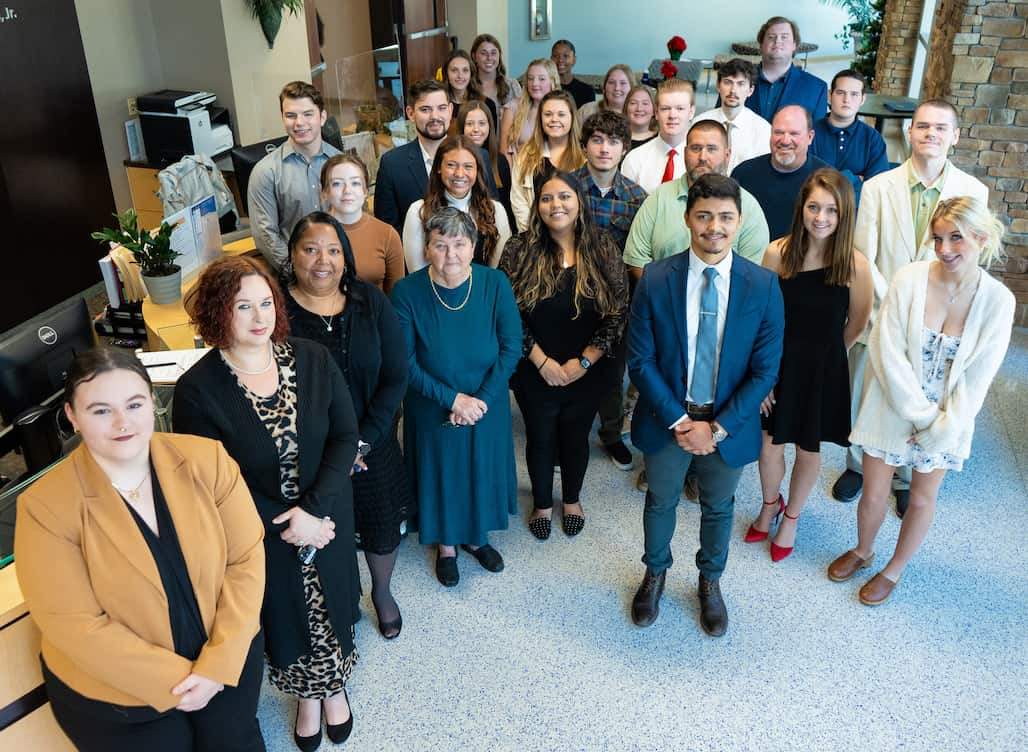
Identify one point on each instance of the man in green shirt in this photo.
(659, 230)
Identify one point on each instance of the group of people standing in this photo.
(513, 248)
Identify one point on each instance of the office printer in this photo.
(177, 123)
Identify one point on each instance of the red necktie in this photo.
(669, 168)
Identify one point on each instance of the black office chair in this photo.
(244, 158)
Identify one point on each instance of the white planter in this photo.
(164, 290)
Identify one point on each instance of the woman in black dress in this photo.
(828, 293)
(570, 286)
(282, 410)
(327, 302)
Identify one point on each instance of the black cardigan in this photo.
(376, 361)
(208, 402)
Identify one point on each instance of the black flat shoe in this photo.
(307, 743)
(487, 556)
(573, 524)
(847, 487)
(446, 570)
(540, 527)
(340, 732)
(385, 627)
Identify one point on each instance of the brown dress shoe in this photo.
(713, 614)
(646, 604)
(877, 590)
(847, 565)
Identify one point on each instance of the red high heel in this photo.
(780, 552)
(755, 536)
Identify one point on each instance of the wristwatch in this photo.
(363, 448)
(584, 362)
(717, 432)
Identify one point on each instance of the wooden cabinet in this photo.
(21, 678)
(144, 188)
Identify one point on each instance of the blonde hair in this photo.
(631, 83)
(525, 100)
(530, 157)
(974, 218)
(673, 86)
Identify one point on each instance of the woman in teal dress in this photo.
(463, 336)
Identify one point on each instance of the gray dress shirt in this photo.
(284, 187)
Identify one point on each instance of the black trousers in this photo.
(612, 406)
(556, 430)
(228, 723)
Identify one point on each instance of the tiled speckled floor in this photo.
(544, 655)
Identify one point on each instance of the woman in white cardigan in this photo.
(458, 180)
(939, 340)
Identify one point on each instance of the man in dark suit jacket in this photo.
(701, 378)
(403, 171)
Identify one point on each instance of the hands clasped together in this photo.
(695, 436)
(557, 374)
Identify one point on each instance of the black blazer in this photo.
(208, 402)
(376, 359)
(402, 180)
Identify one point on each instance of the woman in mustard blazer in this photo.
(141, 560)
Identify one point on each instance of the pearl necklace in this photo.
(443, 302)
(133, 495)
(237, 369)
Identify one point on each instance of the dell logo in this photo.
(47, 335)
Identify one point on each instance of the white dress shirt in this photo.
(645, 165)
(750, 134)
(693, 293)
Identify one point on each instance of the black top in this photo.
(209, 402)
(187, 630)
(562, 335)
(636, 143)
(368, 346)
(580, 91)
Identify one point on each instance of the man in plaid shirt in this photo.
(613, 200)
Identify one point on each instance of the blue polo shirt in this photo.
(795, 87)
(857, 151)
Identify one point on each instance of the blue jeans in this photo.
(665, 474)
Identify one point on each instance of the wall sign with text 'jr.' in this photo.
(8, 15)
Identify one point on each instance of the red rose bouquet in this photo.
(675, 47)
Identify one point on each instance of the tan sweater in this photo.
(377, 251)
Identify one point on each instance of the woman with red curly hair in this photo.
(282, 409)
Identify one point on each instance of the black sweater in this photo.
(209, 402)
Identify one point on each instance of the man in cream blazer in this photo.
(893, 229)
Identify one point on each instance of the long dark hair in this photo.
(502, 85)
(839, 249)
(491, 141)
(91, 363)
(288, 275)
(536, 274)
(472, 91)
(481, 205)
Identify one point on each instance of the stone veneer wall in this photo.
(979, 62)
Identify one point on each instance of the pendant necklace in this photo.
(960, 290)
(327, 321)
(443, 302)
(133, 495)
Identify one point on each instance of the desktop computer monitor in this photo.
(34, 358)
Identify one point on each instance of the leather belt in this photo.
(699, 412)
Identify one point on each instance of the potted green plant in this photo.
(152, 250)
(863, 30)
(269, 14)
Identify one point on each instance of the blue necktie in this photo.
(702, 387)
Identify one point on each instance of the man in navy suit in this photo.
(403, 171)
(779, 81)
(704, 345)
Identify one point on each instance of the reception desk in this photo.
(167, 326)
(26, 721)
